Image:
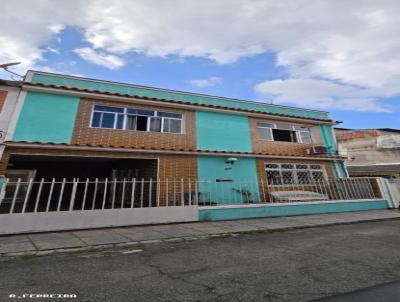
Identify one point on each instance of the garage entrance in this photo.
(94, 183)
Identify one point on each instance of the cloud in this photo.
(211, 81)
(321, 94)
(26, 27)
(353, 43)
(100, 58)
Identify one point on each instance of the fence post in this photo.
(123, 193)
(15, 196)
(263, 190)
(166, 193)
(141, 193)
(96, 184)
(105, 193)
(73, 193)
(28, 191)
(50, 195)
(190, 193)
(113, 193)
(150, 192)
(182, 193)
(158, 192)
(38, 195)
(174, 185)
(61, 195)
(133, 193)
(196, 192)
(84, 194)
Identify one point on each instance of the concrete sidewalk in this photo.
(45, 243)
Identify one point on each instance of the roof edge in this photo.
(172, 90)
(290, 116)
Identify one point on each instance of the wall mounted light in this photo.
(231, 160)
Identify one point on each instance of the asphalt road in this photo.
(297, 265)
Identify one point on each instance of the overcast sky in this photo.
(336, 55)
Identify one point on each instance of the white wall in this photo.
(70, 220)
(8, 109)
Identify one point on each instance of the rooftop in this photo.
(369, 130)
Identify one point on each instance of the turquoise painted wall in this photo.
(59, 80)
(46, 117)
(289, 210)
(243, 174)
(339, 169)
(223, 132)
(327, 138)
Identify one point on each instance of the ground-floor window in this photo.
(288, 174)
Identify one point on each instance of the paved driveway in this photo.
(296, 265)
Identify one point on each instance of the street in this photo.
(296, 265)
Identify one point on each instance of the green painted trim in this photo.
(289, 210)
(133, 90)
(222, 132)
(47, 117)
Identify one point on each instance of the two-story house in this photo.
(67, 127)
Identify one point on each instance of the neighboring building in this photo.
(9, 93)
(72, 127)
(370, 152)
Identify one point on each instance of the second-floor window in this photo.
(136, 119)
(284, 133)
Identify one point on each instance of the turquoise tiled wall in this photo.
(223, 132)
(289, 210)
(46, 117)
(242, 173)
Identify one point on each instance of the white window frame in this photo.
(125, 119)
(292, 127)
(294, 172)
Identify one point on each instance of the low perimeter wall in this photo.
(230, 212)
(88, 219)
(72, 220)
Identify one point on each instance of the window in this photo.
(281, 135)
(136, 119)
(304, 135)
(155, 124)
(294, 174)
(284, 133)
(106, 117)
(265, 131)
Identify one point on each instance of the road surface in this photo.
(297, 265)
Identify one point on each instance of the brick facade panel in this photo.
(84, 135)
(170, 166)
(279, 148)
(3, 95)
